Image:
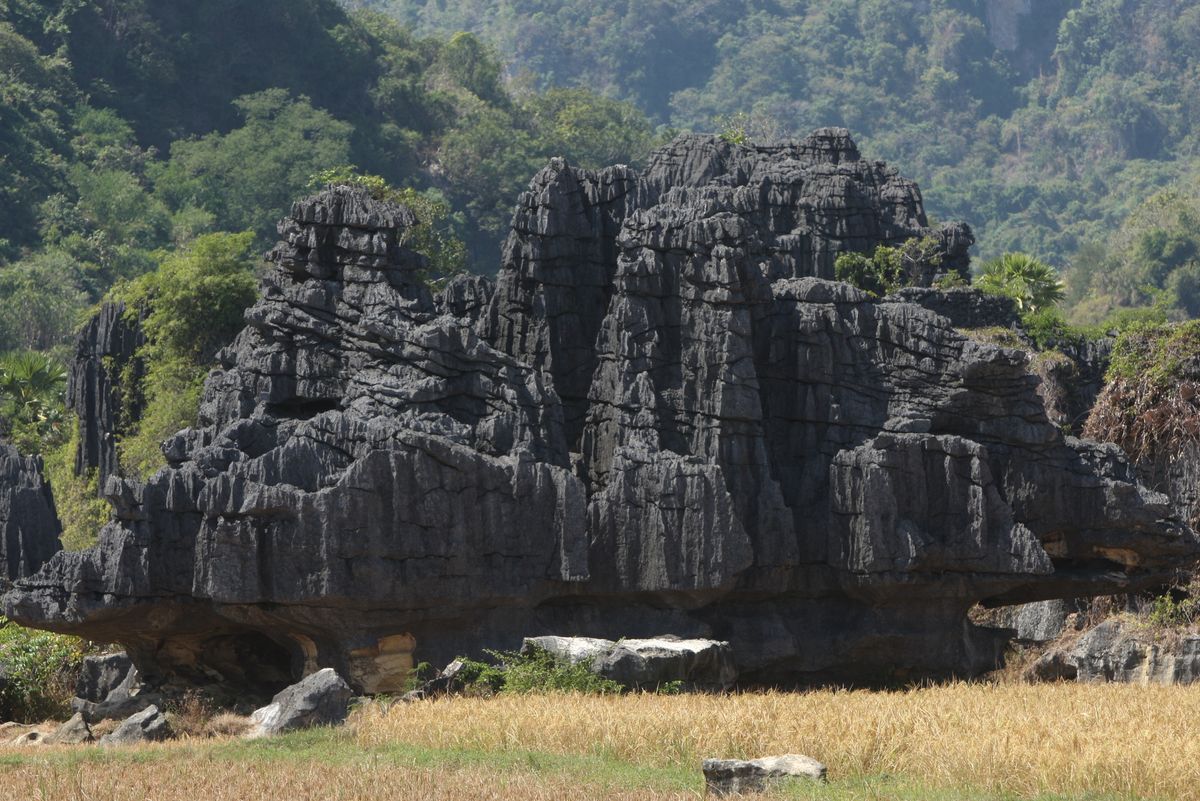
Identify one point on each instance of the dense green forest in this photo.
(129, 128)
(1046, 124)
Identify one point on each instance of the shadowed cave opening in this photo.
(249, 660)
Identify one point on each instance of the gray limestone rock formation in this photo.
(1041, 621)
(100, 676)
(662, 417)
(105, 353)
(1113, 651)
(74, 732)
(964, 307)
(110, 688)
(29, 527)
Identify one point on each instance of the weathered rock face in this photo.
(964, 307)
(1115, 652)
(106, 347)
(29, 527)
(662, 419)
(110, 688)
(1040, 621)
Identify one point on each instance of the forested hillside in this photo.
(1043, 123)
(129, 128)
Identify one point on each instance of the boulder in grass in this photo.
(100, 676)
(724, 777)
(74, 732)
(149, 725)
(35, 735)
(322, 699)
(110, 688)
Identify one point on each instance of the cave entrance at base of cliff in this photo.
(249, 660)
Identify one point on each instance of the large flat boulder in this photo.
(725, 777)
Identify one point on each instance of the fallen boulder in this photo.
(149, 725)
(11, 730)
(646, 663)
(74, 732)
(724, 777)
(322, 699)
(110, 688)
(22, 734)
(36, 736)
(99, 676)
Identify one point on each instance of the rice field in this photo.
(959, 741)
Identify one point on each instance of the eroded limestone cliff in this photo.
(663, 417)
(29, 527)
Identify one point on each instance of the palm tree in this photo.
(1032, 283)
(31, 390)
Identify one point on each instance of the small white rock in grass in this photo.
(725, 777)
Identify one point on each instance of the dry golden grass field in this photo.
(943, 743)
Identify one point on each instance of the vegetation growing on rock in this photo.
(1151, 404)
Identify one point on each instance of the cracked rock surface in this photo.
(663, 417)
(29, 526)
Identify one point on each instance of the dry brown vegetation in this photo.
(1075, 739)
(962, 741)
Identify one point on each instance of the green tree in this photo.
(889, 268)
(1033, 284)
(40, 670)
(190, 307)
(591, 130)
(33, 135)
(248, 178)
(42, 302)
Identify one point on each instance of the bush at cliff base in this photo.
(37, 673)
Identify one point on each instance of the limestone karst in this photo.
(662, 417)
